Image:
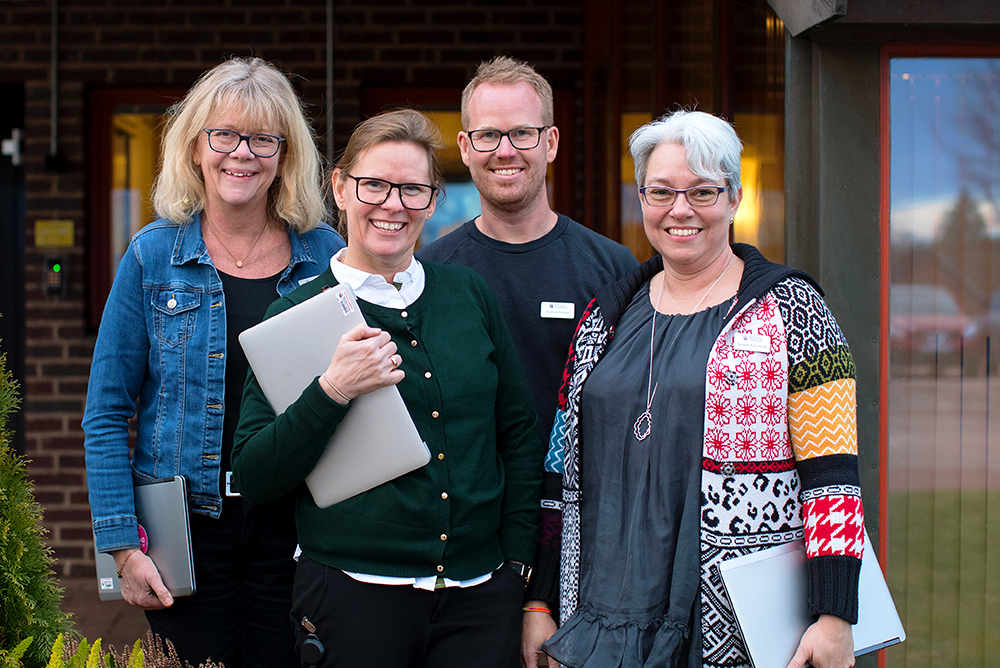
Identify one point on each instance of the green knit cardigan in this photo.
(475, 504)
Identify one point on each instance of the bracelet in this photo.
(530, 609)
(122, 567)
(335, 389)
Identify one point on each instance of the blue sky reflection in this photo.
(945, 115)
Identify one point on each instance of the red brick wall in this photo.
(169, 43)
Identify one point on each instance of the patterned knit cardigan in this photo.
(780, 447)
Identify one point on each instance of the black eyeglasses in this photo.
(227, 141)
(697, 196)
(413, 196)
(523, 139)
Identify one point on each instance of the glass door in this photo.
(943, 486)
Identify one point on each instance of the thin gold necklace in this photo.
(644, 423)
(239, 262)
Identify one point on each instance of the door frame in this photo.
(12, 269)
(103, 102)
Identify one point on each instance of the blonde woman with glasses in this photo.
(241, 207)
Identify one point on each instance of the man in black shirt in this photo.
(542, 266)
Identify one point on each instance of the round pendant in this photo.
(239, 264)
(643, 426)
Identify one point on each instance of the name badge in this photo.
(559, 310)
(758, 343)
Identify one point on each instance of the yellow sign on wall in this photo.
(54, 233)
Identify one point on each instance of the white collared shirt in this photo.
(374, 289)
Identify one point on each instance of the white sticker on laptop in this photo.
(107, 584)
(345, 302)
(758, 343)
(559, 310)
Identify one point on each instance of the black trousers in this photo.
(399, 626)
(244, 571)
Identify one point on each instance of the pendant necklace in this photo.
(239, 262)
(644, 423)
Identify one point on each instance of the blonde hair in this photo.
(259, 94)
(505, 70)
(401, 125)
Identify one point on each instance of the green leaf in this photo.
(21, 648)
(137, 659)
(55, 658)
(79, 660)
(94, 658)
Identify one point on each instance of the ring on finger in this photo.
(396, 360)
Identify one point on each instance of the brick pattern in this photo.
(169, 43)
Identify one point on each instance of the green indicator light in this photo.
(57, 268)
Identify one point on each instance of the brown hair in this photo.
(401, 125)
(505, 70)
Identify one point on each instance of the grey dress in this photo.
(640, 516)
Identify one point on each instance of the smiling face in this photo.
(239, 179)
(689, 238)
(508, 179)
(381, 237)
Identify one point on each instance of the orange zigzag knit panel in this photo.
(823, 420)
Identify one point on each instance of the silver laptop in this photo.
(377, 440)
(161, 509)
(768, 590)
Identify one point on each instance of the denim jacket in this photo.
(161, 355)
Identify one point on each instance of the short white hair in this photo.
(711, 146)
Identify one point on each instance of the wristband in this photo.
(533, 609)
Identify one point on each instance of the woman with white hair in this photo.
(689, 430)
(240, 200)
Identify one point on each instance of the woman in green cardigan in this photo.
(427, 569)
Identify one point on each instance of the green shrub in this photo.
(30, 617)
(150, 652)
(77, 653)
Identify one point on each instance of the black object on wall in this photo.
(12, 224)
